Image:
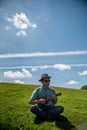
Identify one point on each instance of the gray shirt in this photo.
(43, 92)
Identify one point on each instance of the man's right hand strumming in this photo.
(41, 101)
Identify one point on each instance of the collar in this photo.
(44, 87)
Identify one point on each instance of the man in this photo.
(44, 99)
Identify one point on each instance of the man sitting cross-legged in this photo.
(44, 99)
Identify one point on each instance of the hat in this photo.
(44, 76)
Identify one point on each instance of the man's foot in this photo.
(38, 117)
(59, 118)
(44, 118)
(38, 120)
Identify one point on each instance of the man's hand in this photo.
(44, 101)
(41, 101)
(54, 98)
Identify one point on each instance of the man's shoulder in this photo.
(37, 89)
(51, 89)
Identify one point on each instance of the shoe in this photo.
(44, 118)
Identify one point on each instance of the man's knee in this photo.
(33, 109)
(61, 109)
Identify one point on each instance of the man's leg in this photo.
(39, 112)
(55, 110)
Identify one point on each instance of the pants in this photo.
(46, 111)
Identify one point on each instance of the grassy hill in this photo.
(15, 113)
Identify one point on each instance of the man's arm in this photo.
(33, 99)
(54, 98)
(33, 102)
(40, 101)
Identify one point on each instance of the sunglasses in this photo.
(46, 81)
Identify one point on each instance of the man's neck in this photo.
(45, 86)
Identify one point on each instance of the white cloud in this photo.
(72, 82)
(42, 54)
(13, 75)
(34, 69)
(78, 65)
(62, 67)
(21, 22)
(26, 73)
(44, 66)
(18, 75)
(83, 73)
(21, 33)
(19, 82)
(34, 25)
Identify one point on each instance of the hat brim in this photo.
(44, 78)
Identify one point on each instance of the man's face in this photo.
(46, 82)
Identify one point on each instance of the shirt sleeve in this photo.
(53, 92)
(34, 95)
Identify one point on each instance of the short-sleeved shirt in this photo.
(43, 92)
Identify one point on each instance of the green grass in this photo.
(15, 111)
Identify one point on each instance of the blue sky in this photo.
(44, 36)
